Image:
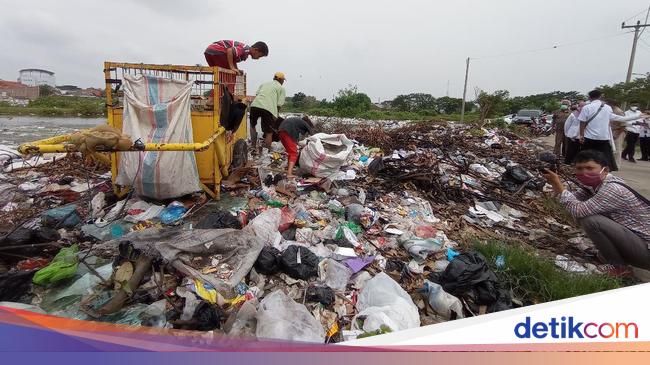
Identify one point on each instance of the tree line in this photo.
(350, 102)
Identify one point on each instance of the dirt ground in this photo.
(637, 175)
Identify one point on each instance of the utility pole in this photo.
(462, 108)
(636, 27)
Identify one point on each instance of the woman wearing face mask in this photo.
(613, 215)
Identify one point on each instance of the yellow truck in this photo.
(213, 152)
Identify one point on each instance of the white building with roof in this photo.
(36, 77)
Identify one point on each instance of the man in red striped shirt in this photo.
(226, 53)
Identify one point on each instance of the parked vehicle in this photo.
(528, 116)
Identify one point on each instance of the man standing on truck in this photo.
(266, 106)
(227, 54)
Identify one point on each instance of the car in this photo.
(527, 116)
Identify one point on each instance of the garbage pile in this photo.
(367, 242)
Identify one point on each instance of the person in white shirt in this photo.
(572, 133)
(644, 138)
(633, 130)
(595, 130)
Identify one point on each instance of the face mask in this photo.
(634, 108)
(592, 179)
(563, 107)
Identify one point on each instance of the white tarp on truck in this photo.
(158, 110)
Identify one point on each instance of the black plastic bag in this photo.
(340, 242)
(15, 285)
(268, 262)
(376, 166)
(303, 268)
(25, 236)
(517, 174)
(217, 220)
(468, 276)
(207, 316)
(322, 294)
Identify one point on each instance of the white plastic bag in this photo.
(384, 302)
(334, 274)
(279, 317)
(324, 154)
(442, 302)
(157, 110)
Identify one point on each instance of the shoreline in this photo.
(13, 111)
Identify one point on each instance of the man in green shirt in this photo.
(268, 101)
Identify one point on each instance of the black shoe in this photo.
(632, 160)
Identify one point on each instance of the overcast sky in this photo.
(384, 47)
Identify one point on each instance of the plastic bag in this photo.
(218, 219)
(353, 212)
(288, 216)
(383, 302)
(268, 262)
(324, 154)
(85, 284)
(62, 217)
(63, 266)
(321, 294)
(23, 307)
(421, 248)
(468, 276)
(244, 323)
(442, 302)
(279, 317)
(334, 274)
(299, 263)
(173, 212)
(13, 285)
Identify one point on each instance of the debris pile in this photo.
(373, 245)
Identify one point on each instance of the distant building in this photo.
(93, 91)
(11, 91)
(36, 77)
(70, 90)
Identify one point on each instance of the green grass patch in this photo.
(556, 210)
(536, 279)
(60, 106)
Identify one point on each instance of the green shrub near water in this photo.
(535, 278)
(59, 106)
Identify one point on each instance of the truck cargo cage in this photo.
(212, 151)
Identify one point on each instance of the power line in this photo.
(635, 15)
(553, 47)
(647, 14)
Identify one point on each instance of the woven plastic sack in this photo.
(324, 154)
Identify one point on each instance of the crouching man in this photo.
(291, 130)
(614, 216)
